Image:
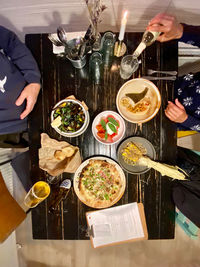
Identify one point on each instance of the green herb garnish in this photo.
(112, 127)
(103, 124)
(106, 196)
(113, 121)
(106, 135)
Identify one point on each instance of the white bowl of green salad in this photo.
(69, 118)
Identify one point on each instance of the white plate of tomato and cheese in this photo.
(108, 127)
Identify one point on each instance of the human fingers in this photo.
(20, 99)
(166, 30)
(169, 116)
(170, 27)
(179, 104)
(163, 38)
(170, 104)
(29, 107)
(172, 110)
(159, 28)
(157, 18)
(174, 107)
(175, 113)
(171, 113)
(161, 18)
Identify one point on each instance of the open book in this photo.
(117, 225)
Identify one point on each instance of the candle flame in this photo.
(125, 14)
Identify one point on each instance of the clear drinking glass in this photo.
(52, 179)
(38, 192)
(129, 65)
(95, 67)
(108, 43)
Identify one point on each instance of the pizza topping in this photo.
(99, 181)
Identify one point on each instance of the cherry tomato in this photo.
(110, 140)
(111, 116)
(114, 134)
(101, 135)
(100, 128)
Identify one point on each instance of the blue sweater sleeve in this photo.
(20, 55)
(191, 123)
(191, 35)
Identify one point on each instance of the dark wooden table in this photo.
(59, 80)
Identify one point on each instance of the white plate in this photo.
(82, 129)
(137, 86)
(77, 176)
(121, 129)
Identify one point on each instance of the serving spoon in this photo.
(62, 35)
(54, 40)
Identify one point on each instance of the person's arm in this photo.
(167, 25)
(176, 113)
(191, 123)
(191, 34)
(172, 29)
(20, 55)
(24, 61)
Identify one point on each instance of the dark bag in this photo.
(14, 140)
(186, 194)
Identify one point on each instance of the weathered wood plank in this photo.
(35, 126)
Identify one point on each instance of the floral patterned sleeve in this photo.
(187, 90)
(191, 35)
(191, 123)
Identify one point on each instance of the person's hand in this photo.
(176, 112)
(167, 25)
(30, 93)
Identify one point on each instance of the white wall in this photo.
(34, 16)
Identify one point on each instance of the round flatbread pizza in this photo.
(99, 182)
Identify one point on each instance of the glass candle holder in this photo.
(129, 65)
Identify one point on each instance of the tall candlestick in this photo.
(123, 26)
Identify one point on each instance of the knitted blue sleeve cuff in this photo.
(190, 34)
(191, 123)
(32, 77)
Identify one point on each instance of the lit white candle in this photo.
(123, 26)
